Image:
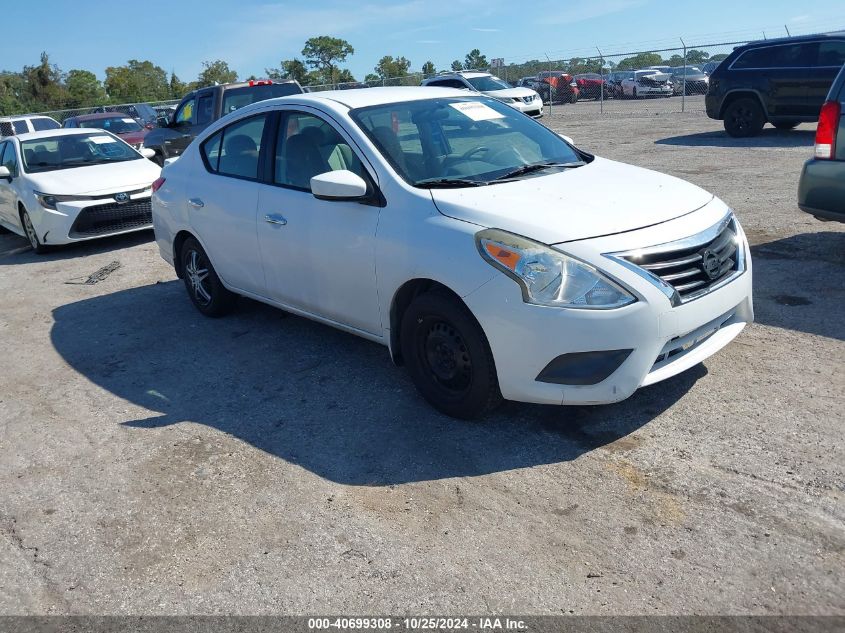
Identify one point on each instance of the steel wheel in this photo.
(442, 352)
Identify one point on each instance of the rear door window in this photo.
(205, 112)
(20, 127)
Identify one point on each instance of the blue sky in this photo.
(252, 35)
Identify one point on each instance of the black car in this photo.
(200, 108)
(143, 113)
(821, 190)
(783, 82)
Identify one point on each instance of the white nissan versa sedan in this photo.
(63, 186)
(465, 236)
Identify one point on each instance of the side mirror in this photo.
(567, 139)
(147, 152)
(341, 184)
(5, 173)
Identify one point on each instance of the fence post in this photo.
(551, 87)
(601, 74)
(684, 82)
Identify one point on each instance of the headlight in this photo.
(46, 200)
(548, 277)
(506, 99)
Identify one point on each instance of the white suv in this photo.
(523, 99)
(14, 125)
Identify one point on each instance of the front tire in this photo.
(204, 287)
(448, 357)
(744, 118)
(31, 234)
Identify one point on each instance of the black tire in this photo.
(573, 98)
(634, 92)
(204, 287)
(31, 234)
(786, 125)
(158, 159)
(448, 357)
(743, 118)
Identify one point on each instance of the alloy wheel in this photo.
(196, 270)
(30, 231)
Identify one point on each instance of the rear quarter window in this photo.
(40, 124)
(20, 127)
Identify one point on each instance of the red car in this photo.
(563, 87)
(117, 123)
(590, 85)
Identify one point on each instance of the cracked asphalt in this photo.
(157, 462)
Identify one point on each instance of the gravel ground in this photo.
(158, 462)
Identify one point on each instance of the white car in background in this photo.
(14, 125)
(647, 83)
(484, 250)
(524, 99)
(65, 186)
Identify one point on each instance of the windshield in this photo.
(465, 141)
(77, 150)
(115, 125)
(487, 83)
(235, 98)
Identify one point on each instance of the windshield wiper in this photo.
(527, 169)
(431, 183)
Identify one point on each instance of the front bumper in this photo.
(663, 340)
(534, 109)
(653, 90)
(82, 220)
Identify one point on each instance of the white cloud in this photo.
(480, 30)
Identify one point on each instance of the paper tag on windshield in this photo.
(101, 140)
(128, 120)
(477, 111)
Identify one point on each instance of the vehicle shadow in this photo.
(15, 250)
(769, 137)
(799, 283)
(314, 396)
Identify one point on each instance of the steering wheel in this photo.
(451, 160)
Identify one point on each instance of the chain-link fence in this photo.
(636, 83)
(143, 111)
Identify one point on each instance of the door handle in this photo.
(196, 203)
(275, 218)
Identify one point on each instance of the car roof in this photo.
(359, 98)
(797, 39)
(32, 136)
(24, 117)
(97, 115)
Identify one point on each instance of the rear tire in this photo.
(204, 287)
(744, 118)
(786, 125)
(448, 356)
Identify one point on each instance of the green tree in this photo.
(640, 60)
(719, 57)
(675, 60)
(83, 89)
(457, 65)
(428, 68)
(137, 81)
(695, 56)
(344, 76)
(216, 72)
(291, 69)
(323, 53)
(44, 85)
(475, 60)
(372, 78)
(13, 97)
(388, 67)
(178, 88)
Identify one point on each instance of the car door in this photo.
(830, 57)
(222, 197)
(779, 72)
(192, 117)
(319, 255)
(7, 196)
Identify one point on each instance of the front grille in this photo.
(528, 99)
(693, 266)
(112, 218)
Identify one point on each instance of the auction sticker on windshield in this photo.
(477, 111)
(101, 140)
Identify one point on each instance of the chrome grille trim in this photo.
(673, 269)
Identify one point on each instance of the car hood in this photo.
(134, 137)
(96, 179)
(515, 93)
(601, 198)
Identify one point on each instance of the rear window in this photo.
(235, 98)
(42, 123)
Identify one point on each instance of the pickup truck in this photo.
(200, 108)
